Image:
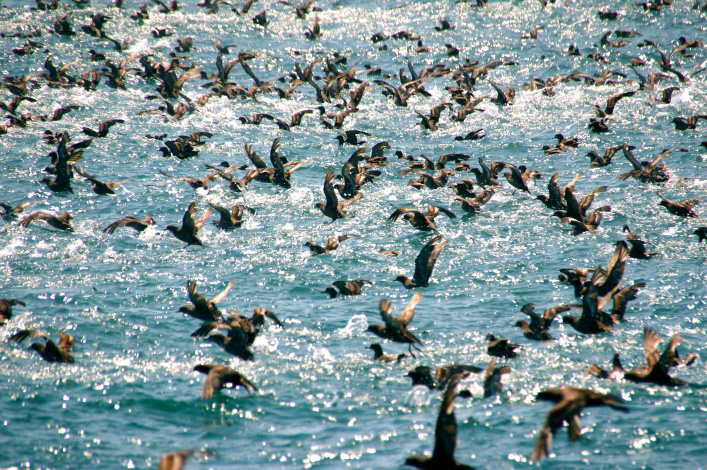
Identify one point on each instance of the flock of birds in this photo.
(339, 92)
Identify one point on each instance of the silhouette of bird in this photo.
(103, 128)
(701, 233)
(445, 436)
(423, 222)
(230, 219)
(352, 287)
(638, 246)
(380, 357)
(395, 328)
(657, 369)
(492, 379)
(333, 208)
(647, 172)
(98, 186)
(132, 222)
(61, 222)
(424, 264)
(500, 347)
(332, 244)
(190, 227)
(681, 209)
(201, 308)
(537, 329)
(49, 351)
(475, 205)
(570, 402)
(217, 377)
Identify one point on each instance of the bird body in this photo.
(424, 264)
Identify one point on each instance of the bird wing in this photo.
(446, 429)
(433, 211)
(188, 223)
(402, 210)
(425, 261)
(657, 159)
(408, 312)
(22, 335)
(651, 339)
(332, 202)
(630, 157)
(202, 220)
(587, 200)
(386, 308)
(254, 157)
(222, 295)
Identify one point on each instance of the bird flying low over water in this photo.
(217, 377)
(570, 402)
(423, 222)
(424, 264)
(201, 308)
(50, 351)
(657, 369)
(190, 227)
(395, 328)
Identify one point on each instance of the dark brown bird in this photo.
(239, 185)
(492, 379)
(103, 128)
(352, 287)
(424, 264)
(217, 377)
(516, 177)
(197, 183)
(647, 172)
(380, 357)
(500, 347)
(6, 309)
(98, 186)
(570, 404)
(611, 104)
(300, 10)
(445, 436)
(62, 222)
(333, 208)
(176, 460)
(395, 328)
(190, 228)
(658, 365)
(638, 246)
(63, 159)
(701, 233)
(132, 222)
(422, 375)
(201, 308)
(230, 219)
(474, 206)
(537, 329)
(332, 244)
(555, 200)
(50, 351)
(682, 209)
(10, 213)
(502, 97)
(590, 322)
(423, 222)
(685, 123)
(464, 189)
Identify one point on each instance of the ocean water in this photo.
(323, 403)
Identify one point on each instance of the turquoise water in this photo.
(131, 395)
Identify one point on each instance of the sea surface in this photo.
(323, 403)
